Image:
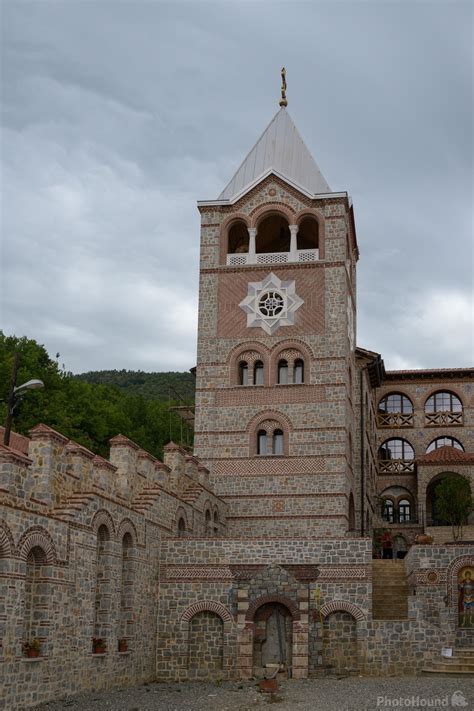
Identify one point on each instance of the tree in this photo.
(454, 502)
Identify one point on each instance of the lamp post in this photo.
(15, 395)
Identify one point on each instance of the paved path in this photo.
(346, 694)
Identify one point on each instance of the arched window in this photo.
(388, 511)
(181, 527)
(404, 511)
(273, 235)
(396, 403)
(308, 233)
(299, 371)
(283, 372)
(102, 583)
(278, 442)
(208, 518)
(262, 444)
(258, 373)
(243, 373)
(396, 449)
(126, 603)
(443, 402)
(238, 240)
(35, 595)
(351, 513)
(396, 456)
(216, 523)
(443, 408)
(444, 442)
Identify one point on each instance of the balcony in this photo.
(443, 419)
(396, 466)
(300, 255)
(394, 419)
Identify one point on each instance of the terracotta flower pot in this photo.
(123, 647)
(99, 650)
(423, 539)
(268, 685)
(32, 652)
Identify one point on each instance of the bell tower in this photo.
(274, 401)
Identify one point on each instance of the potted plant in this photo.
(99, 645)
(122, 645)
(32, 648)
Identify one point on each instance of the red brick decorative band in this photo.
(206, 605)
(342, 606)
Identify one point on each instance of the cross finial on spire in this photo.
(283, 100)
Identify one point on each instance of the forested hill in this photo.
(93, 407)
(151, 386)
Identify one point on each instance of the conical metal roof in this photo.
(281, 150)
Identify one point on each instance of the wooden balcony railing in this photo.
(395, 419)
(443, 419)
(396, 466)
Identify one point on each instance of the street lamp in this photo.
(15, 397)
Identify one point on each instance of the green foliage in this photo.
(152, 386)
(454, 502)
(89, 413)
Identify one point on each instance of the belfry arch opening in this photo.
(308, 233)
(273, 235)
(238, 240)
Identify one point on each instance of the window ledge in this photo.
(32, 660)
(124, 654)
(93, 654)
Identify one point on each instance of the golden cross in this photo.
(283, 100)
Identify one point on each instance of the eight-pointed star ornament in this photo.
(271, 303)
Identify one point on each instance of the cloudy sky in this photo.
(119, 115)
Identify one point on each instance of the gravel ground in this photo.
(328, 694)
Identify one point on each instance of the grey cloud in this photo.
(119, 116)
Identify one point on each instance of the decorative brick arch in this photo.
(452, 576)
(269, 415)
(262, 353)
(301, 350)
(7, 544)
(207, 606)
(277, 420)
(37, 537)
(342, 606)
(127, 526)
(224, 233)
(260, 213)
(265, 599)
(103, 518)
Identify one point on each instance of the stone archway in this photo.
(273, 639)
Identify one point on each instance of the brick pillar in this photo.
(301, 637)
(244, 636)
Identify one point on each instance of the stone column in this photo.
(252, 244)
(300, 637)
(293, 243)
(244, 636)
